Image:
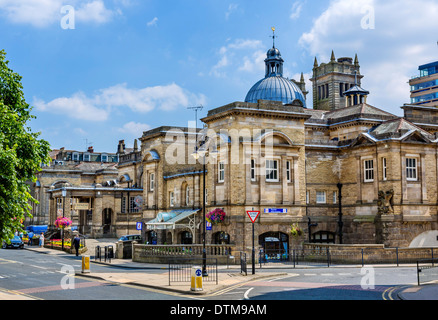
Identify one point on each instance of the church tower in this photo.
(331, 80)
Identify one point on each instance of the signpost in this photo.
(253, 215)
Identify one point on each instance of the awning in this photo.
(171, 220)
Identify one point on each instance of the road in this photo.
(48, 277)
(337, 283)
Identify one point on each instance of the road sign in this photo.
(208, 226)
(253, 215)
(139, 225)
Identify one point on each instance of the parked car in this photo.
(132, 237)
(15, 242)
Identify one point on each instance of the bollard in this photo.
(85, 264)
(196, 279)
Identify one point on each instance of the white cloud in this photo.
(297, 6)
(242, 55)
(134, 128)
(389, 52)
(99, 106)
(231, 8)
(153, 22)
(43, 13)
(77, 106)
(94, 11)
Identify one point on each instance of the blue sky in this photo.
(132, 65)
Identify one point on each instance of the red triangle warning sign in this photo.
(253, 215)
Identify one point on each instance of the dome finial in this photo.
(273, 37)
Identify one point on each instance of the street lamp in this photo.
(197, 154)
(64, 193)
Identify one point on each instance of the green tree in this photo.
(21, 153)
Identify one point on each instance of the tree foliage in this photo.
(21, 152)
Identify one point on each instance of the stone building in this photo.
(344, 171)
(100, 192)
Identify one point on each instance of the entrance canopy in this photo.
(172, 220)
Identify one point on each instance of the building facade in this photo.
(353, 172)
(343, 172)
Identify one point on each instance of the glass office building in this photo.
(424, 89)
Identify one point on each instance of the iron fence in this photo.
(180, 269)
(427, 270)
(326, 256)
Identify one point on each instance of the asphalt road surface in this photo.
(48, 277)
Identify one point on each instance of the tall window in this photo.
(151, 181)
(368, 170)
(411, 169)
(272, 170)
(171, 199)
(385, 177)
(132, 205)
(221, 172)
(187, 195)
(335, 197)
(253, 170)
(288, 176)
(123, 208)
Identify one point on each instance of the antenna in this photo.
(87, 144)
(197, 108)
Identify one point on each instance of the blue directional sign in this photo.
(275, 210)
(198, 272)
(139, 225)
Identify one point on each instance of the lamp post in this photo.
(64, 193)
(340, 222)
(197, 154)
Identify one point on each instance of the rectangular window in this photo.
(384, 171)
(253, 170)
(272, 170)
(335, 197)
(123, 209)
(307, 197)
(86, 157)
(288, 171)
(368, 170)
(75, 156)
(151, 181)
(411, 169)
(132, 205)
(104, 158)
(320, 197)
(221, 172)
(171, 199)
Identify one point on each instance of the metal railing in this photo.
(427, 270)
(180, 269)
(108, 253)
(326, 256)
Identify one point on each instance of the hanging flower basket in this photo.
(296, 231)
(216, 216)
(63, 223)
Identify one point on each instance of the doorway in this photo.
(275, 246)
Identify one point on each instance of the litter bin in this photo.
(85, 264)
(196, 279)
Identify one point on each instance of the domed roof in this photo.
(275, 88)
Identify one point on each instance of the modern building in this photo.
(424, 88)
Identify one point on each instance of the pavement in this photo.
(159, 279)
